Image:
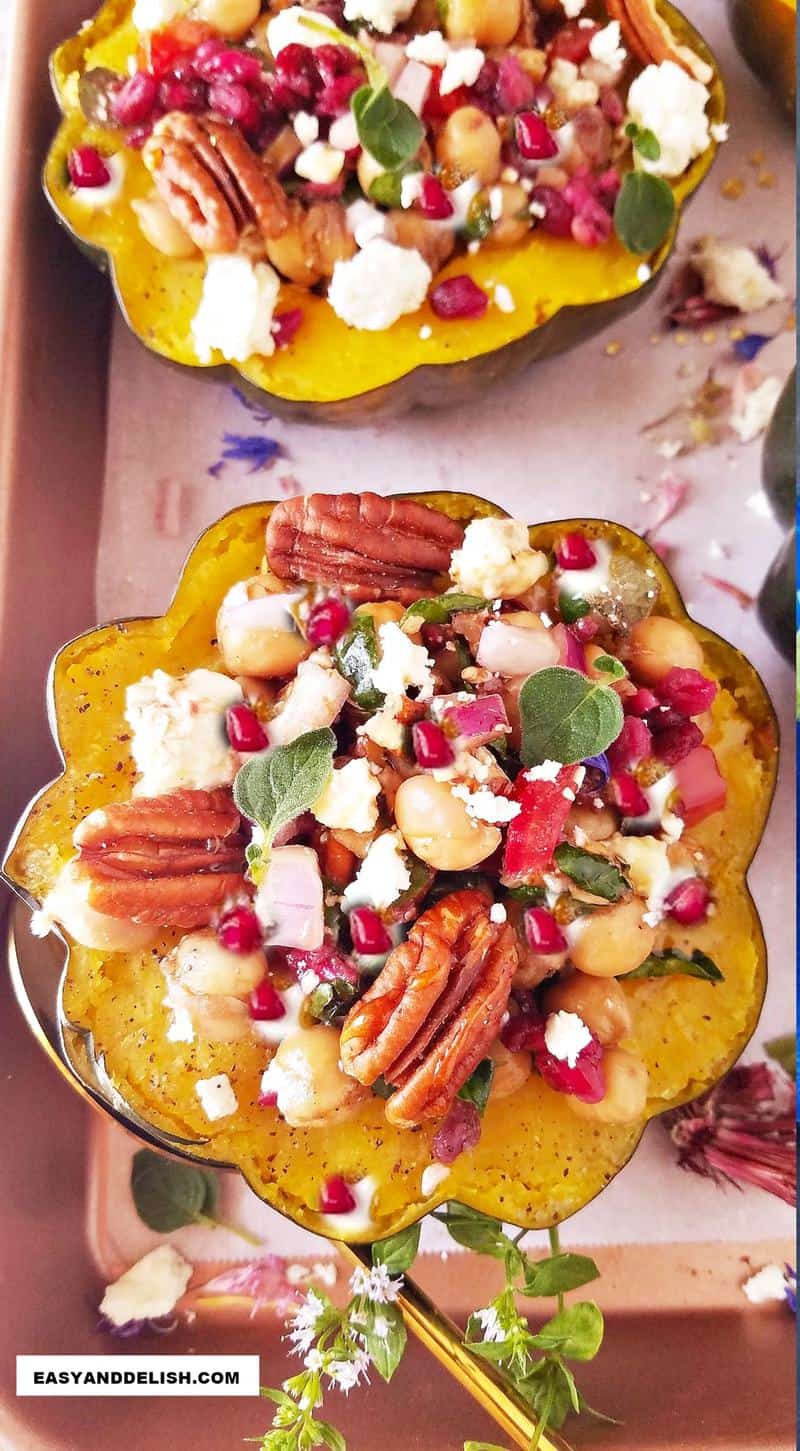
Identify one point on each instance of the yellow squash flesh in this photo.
(536, 1162)
(563, 292)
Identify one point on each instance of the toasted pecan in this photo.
(650, 38)
(370, 547)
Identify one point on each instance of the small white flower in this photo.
(381, 1326)
(376, 1284)
(303, 1323)
(313, 1360)
(489, 1321)
(346, 1374)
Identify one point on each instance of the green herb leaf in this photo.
(476, 1231)
(594, 874)
(531, 896)
(386, 189)
(356, 656)
(572, 608)
(672, 961)
(566, 717)
(272, 789)
(610, 666)
(382, 1089)
(384, 1337)
(575, 1332)
(549, 1390)
(558, 1274)
(645, 142)
(387, 128)
(168, 1193)
(439, 610)
(784, 1051)
(399, 1251)
(478, 223)
(331, 1000)
(478, 1086)
(644, 213)
(329, 1436)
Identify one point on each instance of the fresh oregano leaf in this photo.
(399, 1251)
(475, 1230)
(356, 656)
(610, 666)
(644, 213)
(167, 1193)
(645, 142)
(479, 1085)
(595, 874)
(387, 128)
(566, 717)
(672, 962)
(558, 1275)
(575, 1332)
(530, 895)
(783, 1050)
(275, 787)
(441, 608)
(572, 608)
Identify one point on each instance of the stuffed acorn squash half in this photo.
(367, 208)
(406, 862)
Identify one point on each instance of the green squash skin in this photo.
(776, 599)
(764, 32)
(778, 594)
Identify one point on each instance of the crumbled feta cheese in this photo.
(572, 91)
(566, 1035)
(509, 174)
(216, 1096)
(766, 1285)
(546, 771)
(295, 26)
(383, 727)
(572, 8)
(496, 560)
(382, 15)
(320, 163)
(755, 409)
(382, 876)
(306, 127)
(153, 14)
(431, 48)
(402, 664)
(178, 731)
(666, 100)
(313, 700)
(503, 298)
(720, 131)
(382, 282)
(606, 46)
(344, 132)
(734, 276)
(483, 805)
(498, 913)
(462, 68)
(99, 197)
(235, 313)
(349, 801)
(150, 1288)
(365, 222)
(432, 1177)
(410, 189)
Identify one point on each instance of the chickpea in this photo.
(160, 229)
(469, 144)
(433, 241)
(256, 633)
(613, 940)
(514, 222)
(626, 1091)
(438, 828)
(214, 1016)
(511, 1070)
(600, 1001)
(381, 612)
(487, 22)
(533, 967)
(232, 18)
(202, 965)
(290, 254)
(658, 643)
(327, 236)
(596, 825)
(306, 1075)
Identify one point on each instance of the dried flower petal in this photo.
(742, 1131)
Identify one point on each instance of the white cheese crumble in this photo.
(720, 130)
(382, 15)
(734, 277)
(546, 771)
(573, 8)
(365, 222)
(483, 805)
(383, 875)
(652, 874)
(98, 197)
(150, 1288)
(410, 189)
(344, 132)
(606, 46)
(657, 797)
(320, 163)
(305, 127)
(766, 1285)
(430, 48)
(153, 14)
(380, 284)
(402, 664)
(566, 1035)
(178, 731)
(755, 409)
(503, 298)
(313, 700)
(235, 313)
(495, 559)
(462, 68)
(349, 801)
(383, 727)
(498, 913)
(216, 1096)
(665, 100)
(295, 26)
(432, 1177)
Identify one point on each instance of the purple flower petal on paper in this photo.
(749, 347)
(256, 410)
(255, 449)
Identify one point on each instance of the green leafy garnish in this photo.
(331, 1000)
(399, 1251)
(387, 188)
(169, 1194)
(272, 789)
(531, 896)
(672, 962)
(479, 1085)
(558, 1275)
(478, 223)
(356, 656)
(595, 874)
(645, 142)
(610, 666)
(572, 608)
(644, 214)
(441, 608)
(566, 717)
(387, 128)
(783, 1050)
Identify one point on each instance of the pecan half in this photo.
(372, 548)
(435, 1008)
(168, 860)
(214, 185)
(650, 38)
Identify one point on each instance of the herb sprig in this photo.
(644, 213)
(274, 787)
(566, 717)
(169, 1194)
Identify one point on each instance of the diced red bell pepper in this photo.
(701, 788)
(533, 836)
(164, 47)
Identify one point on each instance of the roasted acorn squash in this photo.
(536, 1162)
(778, 594)
(765, 34)
(329, 372)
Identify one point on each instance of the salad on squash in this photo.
(403, 860)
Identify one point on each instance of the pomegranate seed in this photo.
(632, 745)
(435, 637)
(558, 214)
(433, 200)
(628, 795)
(369, 935)
(268, 1100)
(688, 903)
(239, 930)
(575, 552)
(677, 741)
(534, 138)
(542, 932)
(229, 66)
(586, 627)
(523, 1033)
(687, 690)
(514, 87)
(135, 99)
(235, 103)
(204, 55)
(612, 107)
(295, 67)
(334, 98)
(572, 41)
(585, 1081)
(266, 1005)
(327, 621)
(179, 95)
(87, 168)
(337, 1197)
(285, 325)
(458, 297)
(431, 746)
(640, 702)
(245, 731)
(137, 135)
(332, 61)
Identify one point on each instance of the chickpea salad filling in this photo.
(428, 813)
(355, 149)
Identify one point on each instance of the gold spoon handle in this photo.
(442, 1337)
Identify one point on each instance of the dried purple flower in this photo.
(253, 448)
(256, 410)
(164, 1325)
(742, 1131)
(749, 347)
(791, 1288)
(262, 1281)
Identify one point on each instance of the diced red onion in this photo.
(460, 1130)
